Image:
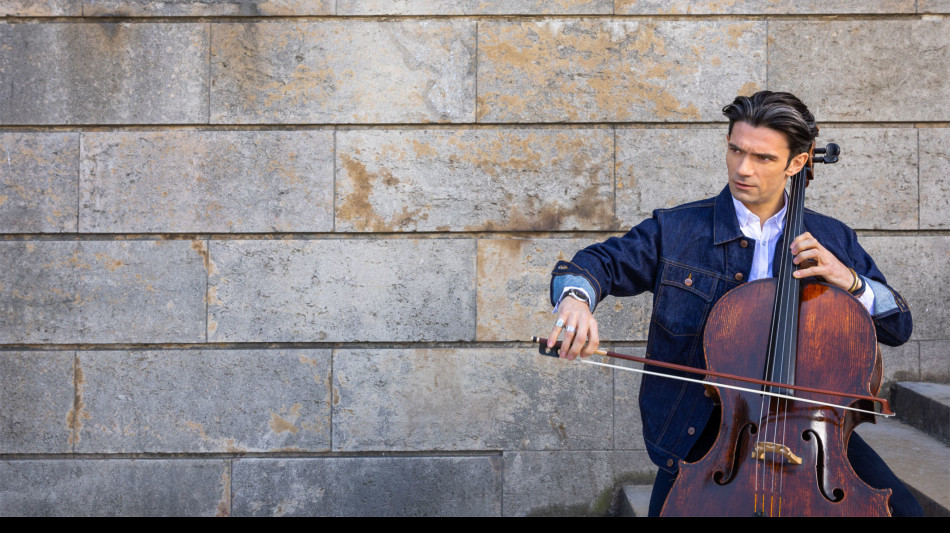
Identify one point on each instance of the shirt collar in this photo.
(747, 218)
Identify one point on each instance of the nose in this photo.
(744, 168)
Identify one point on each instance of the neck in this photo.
(767, 211)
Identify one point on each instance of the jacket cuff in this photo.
(562, 279)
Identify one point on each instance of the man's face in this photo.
(756, 160)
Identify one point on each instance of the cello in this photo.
(783, 454)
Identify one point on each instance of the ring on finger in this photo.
(559, 323)
(570, 329)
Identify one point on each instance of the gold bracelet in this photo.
(857, 282)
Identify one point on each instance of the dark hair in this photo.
(782, 112)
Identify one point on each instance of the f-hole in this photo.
(719, 476)
(836, 494)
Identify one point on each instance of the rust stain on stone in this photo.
(202, 248)
(76, 415)
(3, 199)
(224, 504)
(358, 208)
(279, 424)
(749, 88)
(109, 262)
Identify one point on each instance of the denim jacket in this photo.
(700, 242)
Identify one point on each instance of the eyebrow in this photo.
(765, 156)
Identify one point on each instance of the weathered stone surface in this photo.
(755, 7)
(473, 180)
(570, 483)
(894, 72)
(197, 401)
(368, 486)
(350, 71)
(41, 8)
(628, 426)
(64, 73)
(39, 181)
(874, 184)
(342, 290)
(102, 291)
(468, 399)
(934, 178)
(115, 487)
(211, 181)
(933, 6)
(36, 392)
(514, 277)
(473, 7)
(935, 361)
(662, 168)
(901, 363)
(917, 268)
(195, 8)
(582, 70)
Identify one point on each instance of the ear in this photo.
(796, 165)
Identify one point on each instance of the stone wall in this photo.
(274, 257)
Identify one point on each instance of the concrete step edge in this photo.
(925, 406)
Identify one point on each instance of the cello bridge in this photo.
(762, 447)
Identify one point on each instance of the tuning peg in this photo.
(830, 151)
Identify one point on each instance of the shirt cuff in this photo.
(867, 297)
(561, 284)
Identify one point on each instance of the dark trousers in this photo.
(866, 463)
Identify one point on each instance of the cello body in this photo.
(779, 457)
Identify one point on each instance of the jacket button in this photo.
(688, 282)
(744, 243)
(739, 276)
(669, 462)
(707, 393)
(691, 431)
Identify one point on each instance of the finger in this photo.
(570, 330)
(552, 338)
(593, 340)
(580, 339)
(805, 255)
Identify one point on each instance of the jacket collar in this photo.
(725, 222)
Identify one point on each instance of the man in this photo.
(691, 255)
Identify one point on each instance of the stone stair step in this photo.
(926, 406)
(635, 500)
(919, 460)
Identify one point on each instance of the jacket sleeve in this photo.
(619, 266)
(891, 314)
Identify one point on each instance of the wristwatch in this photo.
(578, 295)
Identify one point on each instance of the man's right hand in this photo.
(580, 330)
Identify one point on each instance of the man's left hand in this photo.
(813, 259)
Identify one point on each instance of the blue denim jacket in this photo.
(700, 241)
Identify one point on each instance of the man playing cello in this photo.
(691, 255)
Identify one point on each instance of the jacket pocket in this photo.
(683, 299)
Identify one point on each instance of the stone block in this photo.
(874, 184)
(901, 363)
(474, 180)
(761, 7)
(39, 180)
(933, 6)
(203, 401)
(893, 72)
(663, 168)
(41, 8)
(368, 486)
(591, 70)
(570, 483)
(934, 178)
(36, 392)
(468, 399)
(345, 71)
(628, 426)
(514, 278)
(935, 361)
(115, 487)
(207, 181)
(102, 291)
(204, 8)
(473, 7)
(104, 73)
(342, 290)
(917, 268)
